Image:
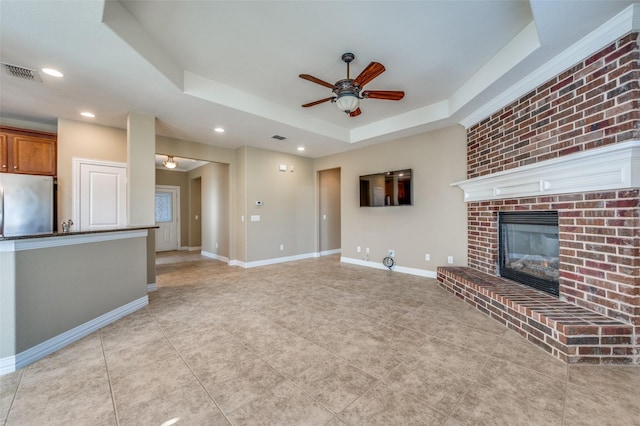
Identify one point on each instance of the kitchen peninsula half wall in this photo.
(58, 288)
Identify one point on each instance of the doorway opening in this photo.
(330, 226)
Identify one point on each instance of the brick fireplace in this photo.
(571, 146)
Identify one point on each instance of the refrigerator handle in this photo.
(1, 210)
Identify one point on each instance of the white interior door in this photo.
(101, 195)
(167, 218)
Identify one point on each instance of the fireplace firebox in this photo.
(529, 249)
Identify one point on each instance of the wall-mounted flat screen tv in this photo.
(386, 189)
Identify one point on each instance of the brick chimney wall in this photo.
(592, 104)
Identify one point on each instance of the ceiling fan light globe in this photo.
(348, 103)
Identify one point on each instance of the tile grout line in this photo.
(382, 321)
(106, 365)
(15, 394)
(258, 356)
(566, 392)
(375, 376)
(474, 380)
(493, 354)
(279, 372)
(193, 373)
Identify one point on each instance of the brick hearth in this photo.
(591, 105)
(569, 332)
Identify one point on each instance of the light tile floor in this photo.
(304, 343)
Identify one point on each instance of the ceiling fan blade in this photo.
(372, 70)
(310, 104)
(316, 80)
(389, 95)
(355, 113)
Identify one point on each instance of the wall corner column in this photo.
(141, 179)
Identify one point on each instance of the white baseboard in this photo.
(7, 364)
(330, 252)
(193, 248)
(215, 256)
(151, 287)
(274, 260)
(402, 269)
(13, 363)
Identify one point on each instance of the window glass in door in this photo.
(164, 207)
(167, 218)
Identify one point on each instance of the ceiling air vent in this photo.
(280, 138)
(21, 72)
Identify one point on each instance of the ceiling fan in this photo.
(348, 91)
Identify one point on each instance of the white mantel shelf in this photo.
(612, 167)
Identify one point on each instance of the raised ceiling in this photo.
(196, 65)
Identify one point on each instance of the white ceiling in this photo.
(195, 65)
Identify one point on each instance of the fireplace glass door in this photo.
(529, 249)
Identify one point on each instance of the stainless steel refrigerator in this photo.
(26, 204)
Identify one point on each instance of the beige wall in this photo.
(222, 156)
(330, 215)
(241, 205)
(287, 215)
(181, 180)
(435, 224)
(214, 178)
(197, 151)
(90, 141)
(83, 140)
(141, 145)
(57, 296)
(195, 209)
(8, 306)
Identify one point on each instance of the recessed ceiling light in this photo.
(301, 148)
(88, 114)
(218, 130)
(52, 72)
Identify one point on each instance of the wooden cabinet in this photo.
(4, 157)
(27, 151)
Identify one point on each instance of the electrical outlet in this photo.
(450, 260)
(391, 253)
(216, 245)
(281, 247)
(358, 249)
(366, 250)
(427, 257)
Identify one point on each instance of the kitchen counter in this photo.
(56, 288)
(71, 233)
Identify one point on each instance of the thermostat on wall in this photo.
(283, 167)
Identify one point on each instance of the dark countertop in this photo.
(67, 234)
